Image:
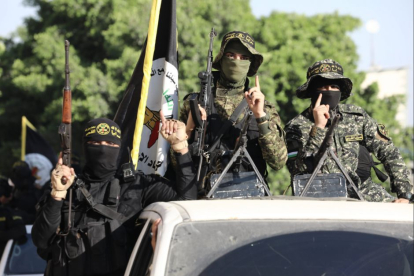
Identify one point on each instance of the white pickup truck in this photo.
(275, 236)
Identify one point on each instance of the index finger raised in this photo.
(162, 119)
(257, 84)
(318, 101)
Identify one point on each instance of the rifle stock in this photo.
(65, 133)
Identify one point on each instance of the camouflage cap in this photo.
(248, 42)
(327, 69)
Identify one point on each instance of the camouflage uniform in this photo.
(356, 128)
(271, 135)
(269, 143)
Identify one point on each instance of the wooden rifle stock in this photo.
(65, 128)
(65, 133)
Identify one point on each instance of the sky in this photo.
(393, 43)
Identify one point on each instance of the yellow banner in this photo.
(149, 54)
(25, 123)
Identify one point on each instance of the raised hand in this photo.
(320, 113)
(59, 189)
(174, 132)
(255, 99)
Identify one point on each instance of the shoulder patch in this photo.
(382, 133)
(382, 129)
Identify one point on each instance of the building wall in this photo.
(390, 82)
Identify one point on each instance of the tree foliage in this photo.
(106, 39)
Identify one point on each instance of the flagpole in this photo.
(25, 123)
(149, 54)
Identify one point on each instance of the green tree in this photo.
(106, 40)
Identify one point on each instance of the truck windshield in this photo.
(291, 248)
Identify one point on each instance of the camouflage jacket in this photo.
(354, 129)
(271, 134)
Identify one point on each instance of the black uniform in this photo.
(25, 194)
(97, 245)
(11, 227)
(104, 211)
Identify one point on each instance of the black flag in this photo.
(153, 87)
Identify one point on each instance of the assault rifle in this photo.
(205, 100)
(322, 154)
(65, 129)
(239, 153)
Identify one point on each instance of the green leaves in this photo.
(106, 40)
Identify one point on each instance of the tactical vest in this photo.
(95, 244)
(221, 155)
(228, 142)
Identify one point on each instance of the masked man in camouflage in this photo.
(237, 60)
(326, 87)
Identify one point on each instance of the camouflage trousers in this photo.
(374, 192)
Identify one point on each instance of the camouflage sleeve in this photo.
(378, 142)
(301, 145)
(272, 140)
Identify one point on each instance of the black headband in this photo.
(102, 129)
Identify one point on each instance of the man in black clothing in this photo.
(25, 194)
(105, 206)
(11, 224)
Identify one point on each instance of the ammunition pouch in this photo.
(324, 185)
(96, 248)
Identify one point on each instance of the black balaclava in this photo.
(101, 161)
(328, 97)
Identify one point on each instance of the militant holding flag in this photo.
(37, 152)
(153, 87)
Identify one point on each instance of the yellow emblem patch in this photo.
(382, 130)
(354, 138)
(325, 68)
(102, 129)
(382, 133)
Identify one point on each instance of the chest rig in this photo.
(220, 141)
(96, 241)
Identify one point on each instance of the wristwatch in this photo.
(408, 196)
(263, 119)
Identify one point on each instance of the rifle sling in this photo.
(227, 124)
(97, 207)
